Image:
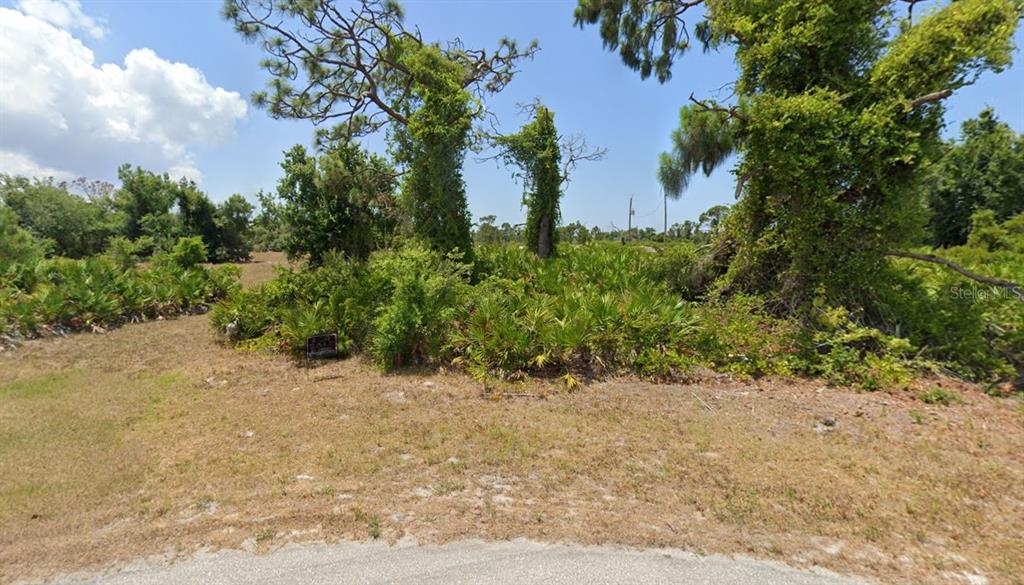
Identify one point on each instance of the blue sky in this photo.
(587, 87)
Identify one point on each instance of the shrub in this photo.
(18, 247)
(65, 294)
(427, 299)
(595, 309)
(127, 253)
(189, 252)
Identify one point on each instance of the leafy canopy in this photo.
(837, 104)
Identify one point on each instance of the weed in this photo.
(373, 524)
(264, 535)
(448, 487)
(939, 396)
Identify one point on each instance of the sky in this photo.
(86, 86)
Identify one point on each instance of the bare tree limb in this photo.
(929, 98)
(711, 106)
(576, 150)
(996, 282)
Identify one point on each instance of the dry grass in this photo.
(153, 437)
(261, 267)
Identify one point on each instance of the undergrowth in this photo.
(61, 294)
(596, 309)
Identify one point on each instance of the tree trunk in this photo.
(544, 237)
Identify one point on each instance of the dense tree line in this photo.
(150, 211)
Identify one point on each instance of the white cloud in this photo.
(18, 164)
(61, 112)
(66, 14)
(185, 171)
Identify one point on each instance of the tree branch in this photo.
(929, 98)
(711, 106)
(575, 150)
(997, 282)
(345, 62)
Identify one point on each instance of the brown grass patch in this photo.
(154, 437)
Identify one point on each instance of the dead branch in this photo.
(929, 98)
(711, 106)
(576, 150)
(996, 282)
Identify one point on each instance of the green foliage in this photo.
(189, 252)
(703, 140)
(433, 146)
(399, 306)
(984, 170)
(535, 150)
(127, 253)
(339, 202)
(223, 228)
(939, 396)
(269, 232)
(977, 330)
(835, 109)
(427, 295)
(604, 308)
(596, 309)
(847, 353)
(234, 231)
(17, 245)
(77, 227)
(198, 216)
(986, 233)
(61, 294)
(145, 200)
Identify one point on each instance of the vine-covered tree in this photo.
(836, 105)
(545, 161)
(535, 150)
(432, 146)
(362, 67)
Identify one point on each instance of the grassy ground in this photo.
(154, 438)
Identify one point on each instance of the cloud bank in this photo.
(64, 115)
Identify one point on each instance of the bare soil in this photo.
(156, 439)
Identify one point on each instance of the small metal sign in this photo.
(322, 346)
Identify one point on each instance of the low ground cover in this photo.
(604, 308)
(57, 295)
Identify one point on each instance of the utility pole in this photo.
(629, 230)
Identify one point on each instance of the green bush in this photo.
(128, 253)
(426, 302)
(939, 396)
(605, 308)
(189, 252)
(61, 294)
